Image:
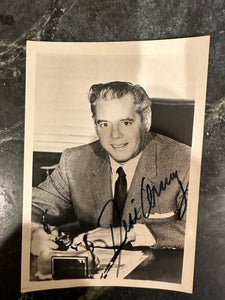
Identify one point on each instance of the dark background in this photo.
(111, 20)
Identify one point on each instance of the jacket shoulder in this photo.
(78, 152)
(82, 157)
(169, 152)
(165, 143)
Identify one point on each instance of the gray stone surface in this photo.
(88, 20)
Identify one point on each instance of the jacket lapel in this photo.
(101, 188)
(146, 172)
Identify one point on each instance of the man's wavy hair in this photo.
(118, 89)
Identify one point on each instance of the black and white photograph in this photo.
(113, 145)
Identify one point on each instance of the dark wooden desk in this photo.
(160, 265)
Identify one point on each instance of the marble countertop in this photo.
(111, 20)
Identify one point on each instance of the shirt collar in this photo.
(129, 166)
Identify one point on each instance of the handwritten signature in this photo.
(149, 193)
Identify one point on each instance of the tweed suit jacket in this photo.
(81, 187)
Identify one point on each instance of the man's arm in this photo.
(52, 198)
(169, 232)
(53, 195)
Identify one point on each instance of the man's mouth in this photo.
(119, 146)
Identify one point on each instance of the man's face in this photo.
(119, 127)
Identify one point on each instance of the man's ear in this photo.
(95, 124)
(96, 130)
(148, 119)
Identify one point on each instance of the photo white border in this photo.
(196, 56)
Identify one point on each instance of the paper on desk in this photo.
(126, 262)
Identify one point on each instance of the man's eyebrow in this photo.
(127, 119)
(100, 121)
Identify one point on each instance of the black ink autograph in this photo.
(148, 193)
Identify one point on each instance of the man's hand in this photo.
(105, 237)
(43, 241)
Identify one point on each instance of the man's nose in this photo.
(116, 132)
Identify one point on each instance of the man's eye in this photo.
(104, 124)
(127, 123)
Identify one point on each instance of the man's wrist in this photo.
(131, 236)
(143, 236)
(35, 226)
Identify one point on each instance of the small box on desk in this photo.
(69, 267)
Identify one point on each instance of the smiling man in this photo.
(119, 127)
(129, 186)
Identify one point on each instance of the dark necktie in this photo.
(120, 196)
